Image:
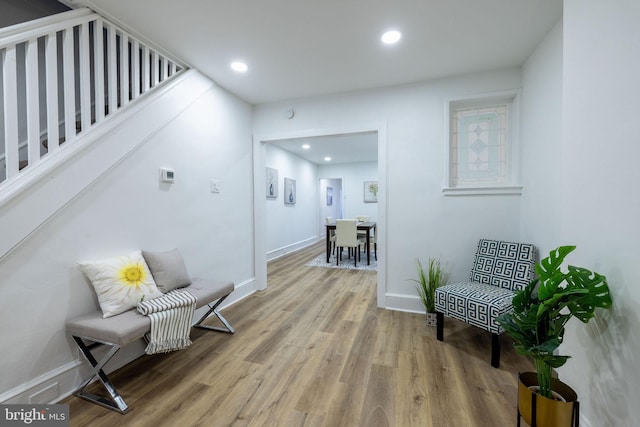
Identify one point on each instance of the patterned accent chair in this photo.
(499, 270)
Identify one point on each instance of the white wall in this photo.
(580, 107)
(290, 227)
(420, 221)
(353, 177)
(542, 144)
(600, 203)
(126, 209)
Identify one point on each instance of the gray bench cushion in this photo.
(131, 325)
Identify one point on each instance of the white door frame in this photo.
(259, 198)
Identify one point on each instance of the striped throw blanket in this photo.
(171, 316)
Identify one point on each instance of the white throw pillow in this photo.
(121, 282)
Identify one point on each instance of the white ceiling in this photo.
(300, 48)
(351, 148)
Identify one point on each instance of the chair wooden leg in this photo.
(495, 350)
(440, 326)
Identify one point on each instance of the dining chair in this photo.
(332, 234)
(347, 237)
(362, 218)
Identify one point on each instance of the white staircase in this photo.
(61, 76)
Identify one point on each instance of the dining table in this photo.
(362, 226)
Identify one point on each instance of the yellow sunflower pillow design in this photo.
(121, 282)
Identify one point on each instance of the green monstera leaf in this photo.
(543, 308)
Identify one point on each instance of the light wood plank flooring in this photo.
(313, 350)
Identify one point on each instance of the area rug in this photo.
(345, 264)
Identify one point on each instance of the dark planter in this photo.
(539, 411)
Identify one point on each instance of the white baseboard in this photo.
(403, 302)
(241, 291)
(63, 377)
(293, 247)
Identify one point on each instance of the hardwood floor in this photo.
(314, 350)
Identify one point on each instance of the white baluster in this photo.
(85, 77)
(153, 68)
(53, 125)
(124, 69)
(113, 71)
(68, 68)
(33, 100)
(135, 72)
(98, 59)
(145, 69)
(163, 74)
(10, 111)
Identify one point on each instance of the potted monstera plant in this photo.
(537, 326)
(435, 275)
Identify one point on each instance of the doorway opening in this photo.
(350, 194)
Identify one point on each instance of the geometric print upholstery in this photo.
(477, 304)
(507, 265)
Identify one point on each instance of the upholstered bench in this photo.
(119, 330)
(117, 327)
(499, 270)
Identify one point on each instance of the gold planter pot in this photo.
(539, 411)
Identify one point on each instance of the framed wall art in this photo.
(289, 191)
(329, 196)
(371, 191)
(272, 183)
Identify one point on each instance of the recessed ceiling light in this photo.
(306, 146)
(239, 67)
(391, 37)
(327, 159)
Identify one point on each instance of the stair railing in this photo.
(64, 74)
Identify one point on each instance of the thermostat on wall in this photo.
(167, 175)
